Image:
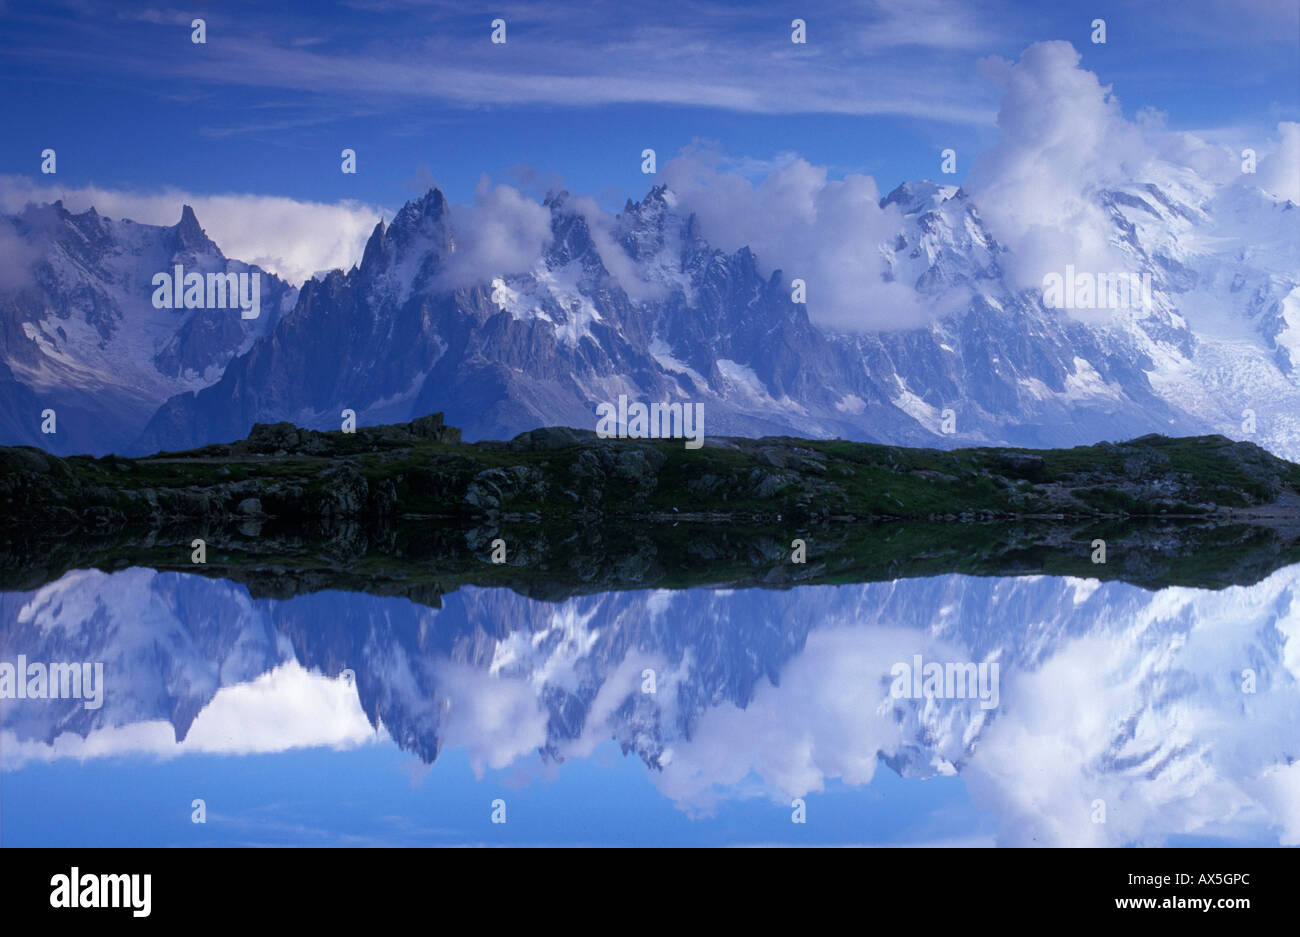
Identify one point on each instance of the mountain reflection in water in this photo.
(1123, 716)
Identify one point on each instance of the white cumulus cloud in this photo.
(502, 232)
(288, 237)
(1279, 171)
(825, 232)
(1063, 137)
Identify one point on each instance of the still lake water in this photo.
(1121, 715)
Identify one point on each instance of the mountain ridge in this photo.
(81, 336)
(649, 308)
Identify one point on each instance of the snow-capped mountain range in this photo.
(81, 335)
(1174, 707)
(393, 338)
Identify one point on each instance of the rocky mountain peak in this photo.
(921, 196)
(374, 251)
(188, 234)
(431, 206)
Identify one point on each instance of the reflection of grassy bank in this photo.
(423, 560)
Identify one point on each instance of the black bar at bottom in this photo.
(305, 886)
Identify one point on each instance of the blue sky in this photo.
(579, 89)
(378, 795)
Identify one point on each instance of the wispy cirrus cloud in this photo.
(872, 59)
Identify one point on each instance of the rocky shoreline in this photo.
(377, 474)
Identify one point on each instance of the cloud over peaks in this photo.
(826, 232)
(503, 232)
(288, 237)
(1063, 137)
